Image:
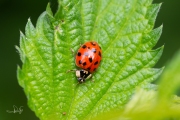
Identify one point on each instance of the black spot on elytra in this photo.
(79, 54)
(84, 63)
(96, 63)
(88, 47)
(99, 53)
(93, 50)
(90, 59)
(93, 43)
(80, 62)
(94, 69)
(84, 46)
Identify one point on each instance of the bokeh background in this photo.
(13, 18)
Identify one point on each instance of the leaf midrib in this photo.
(113, 41)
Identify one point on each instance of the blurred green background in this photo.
(13, 18)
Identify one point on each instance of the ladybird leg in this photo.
(80, 44)
(71, 71)
(72, 50)
(91, 79)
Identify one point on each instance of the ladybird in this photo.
(88, 58)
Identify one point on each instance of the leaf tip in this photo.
(161, 26)
(48, 10)
(29, 19)
(30, 30)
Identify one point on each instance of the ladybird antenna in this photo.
(78, 83)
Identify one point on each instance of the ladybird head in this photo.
(82, 75)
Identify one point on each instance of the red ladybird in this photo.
(88, 58)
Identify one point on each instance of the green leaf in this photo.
(124, 31)
(170, 79)
(151, 104)
(145, 105)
